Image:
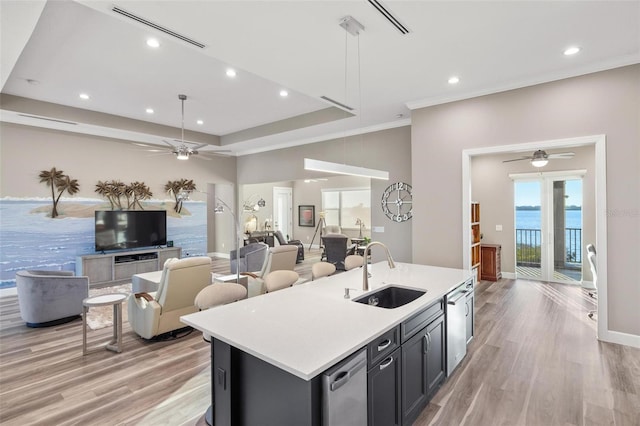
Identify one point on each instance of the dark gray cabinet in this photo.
(423, 368)
(384, 392)
(436, 368)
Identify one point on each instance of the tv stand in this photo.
(119, 267)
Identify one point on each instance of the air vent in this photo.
(394, 21)
(336, 103)
(48, 119)
(157, 27)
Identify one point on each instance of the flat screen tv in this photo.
(130, 229)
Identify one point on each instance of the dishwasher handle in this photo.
(344, 376)
(460, 295)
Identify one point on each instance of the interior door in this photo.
(283, 211)
(548, 227)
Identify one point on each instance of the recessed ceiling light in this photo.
(284, 93)
(454, 80)
(149, 110)
(84, 96)
(571, 50)
(200, 122)
(231, 72)
(152, 42)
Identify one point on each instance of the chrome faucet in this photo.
(365, 274)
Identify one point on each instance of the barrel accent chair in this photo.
(48, 298)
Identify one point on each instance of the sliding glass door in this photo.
(548, 227)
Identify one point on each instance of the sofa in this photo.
(49, 298)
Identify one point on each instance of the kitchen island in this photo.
(269, 352)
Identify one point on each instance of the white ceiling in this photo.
(84, 46)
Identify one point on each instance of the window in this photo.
(344, 206)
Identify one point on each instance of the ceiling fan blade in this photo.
(169, 143)
(517, 159)
(561, 156)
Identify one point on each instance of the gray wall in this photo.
(386, 150)
(600, 103)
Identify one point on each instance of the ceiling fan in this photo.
(182, 151)
(540, 158)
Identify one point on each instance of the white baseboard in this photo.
(9, 291)
(588, 285)
(216, 254)
(509, 275)
(621, 338)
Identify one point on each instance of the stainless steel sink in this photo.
(390, 297)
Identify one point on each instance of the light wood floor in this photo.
(534, 361)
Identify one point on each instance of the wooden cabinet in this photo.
(118, 267)
(490, 260)
(475, 239)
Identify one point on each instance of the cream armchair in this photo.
(152, 314)
(279, 258)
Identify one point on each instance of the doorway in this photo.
(548, 226)
(283, 211)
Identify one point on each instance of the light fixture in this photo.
(84, 96)
(353, 27)
(149, 110)
(200, 122)
(571, 50)
(231, 72)
(539, 159)
(344, 169)
(284, 93)
(152, 42)
(182, 154)
(253, 205)
(219, 209)
(454, 80)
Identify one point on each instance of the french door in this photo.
(548, 226)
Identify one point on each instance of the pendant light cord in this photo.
(346, 115)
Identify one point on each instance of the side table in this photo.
(114, 299)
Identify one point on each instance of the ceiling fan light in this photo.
(182, 155)
(539, 162)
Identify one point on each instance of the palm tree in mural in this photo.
(71, 186)
(51, 178)
(101, 189)
(180, 190)
(135, 192)
(112, 191)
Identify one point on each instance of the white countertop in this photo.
(308, 328)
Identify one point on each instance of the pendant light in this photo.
(353, 27)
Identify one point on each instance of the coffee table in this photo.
(114, 299)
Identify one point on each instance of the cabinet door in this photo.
(383, 393)
(414, 376)
(435, 356)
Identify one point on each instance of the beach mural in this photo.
(31, 239)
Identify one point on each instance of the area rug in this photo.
(102, 316)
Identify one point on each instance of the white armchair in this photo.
(278, 258)
(152, 314)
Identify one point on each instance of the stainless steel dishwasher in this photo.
(456, 327)
(344, 392)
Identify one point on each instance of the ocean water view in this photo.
(531, 220)
(34, 241)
